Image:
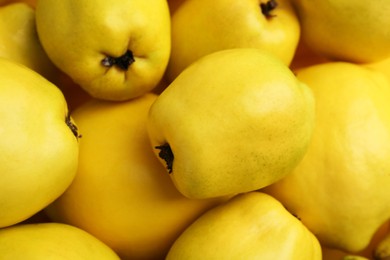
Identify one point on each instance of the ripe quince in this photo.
(340, 188)
(200, 27)
(51, 241)
(344, 30)
(115, 50)
(234, 121)
(252, 225)
(19, 40)
(39, 143)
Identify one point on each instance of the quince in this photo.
(39, 143)
(252, 225)
(355, 31)
(200, 27)
(115, 50)
(234, 121)
(340, 188)
(51, 241)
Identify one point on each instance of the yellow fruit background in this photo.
(122, 202)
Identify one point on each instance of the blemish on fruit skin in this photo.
(72, 126)
(123, 62)
(268, 7)
(166, 154)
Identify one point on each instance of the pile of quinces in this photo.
(195, 129)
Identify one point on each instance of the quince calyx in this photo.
(166, 154)
(268, 7)
(123, 62)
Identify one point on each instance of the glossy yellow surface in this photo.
(19, 40)
(121, 193)
(51, 241)
(354, 31)
(249, 226)
(339, 189)
(200, 27)
(79, 35)
(236, 120)
(38, 150)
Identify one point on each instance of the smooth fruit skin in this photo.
(200, 27)
(236, 120)
(344, 30)
(19, 40)
(382, 66)
(121, 193)
(51, 241)
(78, 35)
(253, 225)
(340, 188)
(38, 150)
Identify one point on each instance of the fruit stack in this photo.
(194, 129)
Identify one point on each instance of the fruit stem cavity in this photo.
(166, 154)
(72, 126)
(123, 62)
(268, 7)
